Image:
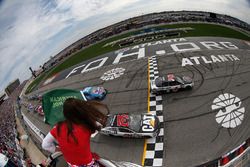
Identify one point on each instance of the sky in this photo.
(31, 31)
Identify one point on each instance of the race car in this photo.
(171, 83)
(144, 125)
(30, 107)
(94, 93)
(39, 110)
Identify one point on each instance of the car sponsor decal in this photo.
(130, 135)
(110, 131)
(97, 90)
(123, 120)
(148, 123)
(230, 112)
(170, 77)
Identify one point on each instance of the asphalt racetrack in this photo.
(200, 125)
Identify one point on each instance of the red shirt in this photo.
(74, 153)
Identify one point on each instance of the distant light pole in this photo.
(33, 73)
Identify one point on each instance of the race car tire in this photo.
(175, 89)
(189, 87)
(147, 137)
(103, 97)
(156, 93)
(166, 91)
(153, 91)
(106, 91)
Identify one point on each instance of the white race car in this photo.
(171, 83)
(129, 125)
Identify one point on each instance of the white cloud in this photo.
(84, 9)
(26, 39)
(34, 26)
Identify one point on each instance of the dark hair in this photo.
(85, 113)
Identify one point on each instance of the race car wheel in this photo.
(157, 93)
(175, 89)
(153, 91)
(147, 137)
(166, 91)
(189, 87)
(106, 91)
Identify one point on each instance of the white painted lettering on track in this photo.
(190, 46)
(112, 74)
(172, 45)
(102, 61)
(139, 54)
(75, 70)
(196, 60)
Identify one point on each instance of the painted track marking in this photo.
(153, 148)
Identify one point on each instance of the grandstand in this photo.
(12, 86)
(149, 34)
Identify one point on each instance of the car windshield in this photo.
(135, 122)
(178, 79)
(158, 82)
(109, 121)
(94, 89)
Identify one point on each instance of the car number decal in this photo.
(170, 77)
(122, 120)
(98, 90)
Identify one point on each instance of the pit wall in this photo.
(238, 157)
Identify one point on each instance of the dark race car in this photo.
(131, 125)
(171, 83)
(94, 93)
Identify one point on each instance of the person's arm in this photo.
(49, 143)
